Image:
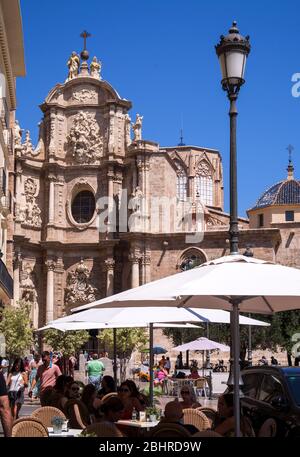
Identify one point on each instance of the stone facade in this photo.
(89, 170)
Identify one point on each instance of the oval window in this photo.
(83, 207)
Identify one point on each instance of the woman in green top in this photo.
(95, 370)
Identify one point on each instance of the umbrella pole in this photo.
(151, 364)
(236, 365)
(115, 354)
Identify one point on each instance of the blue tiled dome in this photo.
(283, 193)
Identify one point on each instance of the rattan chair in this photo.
(196, 418)
(210, 413)
(77, 413)
(107, 396)
(104, 429)
(268, 429)
(28, 427)
(169, 430)
(45, 415)
(207, 434)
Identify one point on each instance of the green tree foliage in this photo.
(16, 326)
(128, 339)
(66, 342)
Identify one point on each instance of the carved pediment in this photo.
(78, 290)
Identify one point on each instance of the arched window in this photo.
(191, 258)
(83, 206)
(204, 184)
(181, 183)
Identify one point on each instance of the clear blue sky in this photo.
(160, 55)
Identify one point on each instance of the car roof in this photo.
(286, 371)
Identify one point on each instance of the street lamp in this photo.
(232, 51)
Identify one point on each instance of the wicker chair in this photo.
(169, 430)
(196, 418)
(104, 429)
(45, 415)
(207, 434)
(210, 413)
(77, 413)
(268, 429)
(28, 427)
(107, 396)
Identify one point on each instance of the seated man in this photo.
(174, 415)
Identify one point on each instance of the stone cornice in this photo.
(7, 62)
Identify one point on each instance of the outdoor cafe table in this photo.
(70, 432)
(138, 424)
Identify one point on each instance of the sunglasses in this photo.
(75, 389)
(184, 392)
(124, 390)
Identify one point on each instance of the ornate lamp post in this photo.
(232, 51)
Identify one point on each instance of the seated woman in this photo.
(129, 397)
(189, 399)
(107, 386)
(89, 398)
(224, 422)
(194, 373)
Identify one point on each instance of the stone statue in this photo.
(95, 68)
(29, 293)
(73, 65)
(137, 128)
(137, 200)
(18, 136)
(127, 129)
(30, 214)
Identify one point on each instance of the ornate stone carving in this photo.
(137, 128)
(95, 68)
(27, 147)
(30, 213)
(213, 221)
(50, 264)
(203, 169)
(84, 139)
(78, 290)
(109, 264)
(84, 95)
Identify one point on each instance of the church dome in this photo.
(285, 192)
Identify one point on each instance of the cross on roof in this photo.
(85, 35)
(290, 148)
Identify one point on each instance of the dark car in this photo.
(272, 393)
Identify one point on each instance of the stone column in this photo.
(146, 270)
(110, 191)
(109, 265)
(51, 199)
(18, 191)
(16, 276)
(135, 270)
(50, 264)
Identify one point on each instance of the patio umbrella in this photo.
(233, 283)
(133, 317)
(202, 344)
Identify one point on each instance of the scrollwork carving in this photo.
(78, 290)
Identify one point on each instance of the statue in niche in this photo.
(137, 200)
(73, 65)
(95, 68)
(29, 293)
(79, 290)
(137, 128)
(127, 129)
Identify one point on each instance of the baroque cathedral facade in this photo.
(86, 197)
